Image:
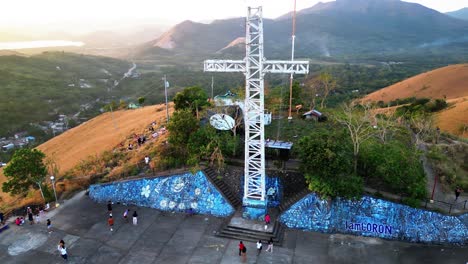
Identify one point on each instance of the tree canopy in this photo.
(193, 98)
(25, 169)
(327, 164)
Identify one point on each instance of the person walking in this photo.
(147, 159)
(30, 218)
(244, 254)
(125, 215)
(270, 245)
(135, 218)
(259, 247)
(109, 207)
(110, 221)
(49, 226)
(241, 247)
(267, 219)
(458, 191)
(63, 250)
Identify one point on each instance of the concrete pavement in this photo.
(163, 237)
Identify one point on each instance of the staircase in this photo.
(252, 232)
(223, 188)
(292, 200)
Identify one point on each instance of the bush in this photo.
(413, 202)
(395, 165)
(327, 164)
(48, 194)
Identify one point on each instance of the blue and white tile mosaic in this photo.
(172, 193)
(273, 188)
(377, 218)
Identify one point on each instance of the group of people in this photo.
(110, 220)
(34, 216)
(19, 221)
(243, 249)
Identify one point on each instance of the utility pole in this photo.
(212, 81)
(165, 92)
(292, 59)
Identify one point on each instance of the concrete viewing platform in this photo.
(162, 237)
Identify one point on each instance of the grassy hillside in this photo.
(92, 138)
(38, 88)
(448, 83)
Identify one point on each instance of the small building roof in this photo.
(313, 112)
(277, 144)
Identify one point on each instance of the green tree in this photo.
(112, 106)
(296, 96)
(358, 121)
(328, 84)
(193, 98)
(141, 100)
(25, 169)
(327, 165)
(395, 166)
(181, 126)
(123, 104)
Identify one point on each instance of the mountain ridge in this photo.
(460, 14)
(327, 29)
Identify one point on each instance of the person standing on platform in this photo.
(109, 207)
(110, 221)
(259, 247)
(241, 247)
(135, 218)
(458, 191)
(63, 250)
(49, 226)
(270, 245)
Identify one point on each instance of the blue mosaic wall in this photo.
(377, 218)
(172, 193)
(274, 190)
(254, 209)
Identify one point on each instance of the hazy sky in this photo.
(91, 15)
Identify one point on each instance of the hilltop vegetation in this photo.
(430, 92)
(39, 88)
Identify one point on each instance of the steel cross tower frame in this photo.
(255, 66)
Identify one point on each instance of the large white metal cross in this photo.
(255, 66)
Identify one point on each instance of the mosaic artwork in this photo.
(377, 218)
(273, 189)
(172, 193)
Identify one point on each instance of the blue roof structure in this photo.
(277, 144)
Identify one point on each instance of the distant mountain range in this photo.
(461, 14)
(337, 29)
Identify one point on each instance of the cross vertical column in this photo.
(254, 201)
(254, 66)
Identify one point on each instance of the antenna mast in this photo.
(292, 59)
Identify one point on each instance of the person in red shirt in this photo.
(241, 247)
(110, 221)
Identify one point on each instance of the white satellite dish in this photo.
(222, 122)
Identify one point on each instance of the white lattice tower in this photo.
(254, 66)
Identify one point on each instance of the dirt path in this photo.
(442, 198)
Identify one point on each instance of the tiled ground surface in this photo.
(175, 238)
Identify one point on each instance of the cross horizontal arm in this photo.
(296, 67)
(224, 66)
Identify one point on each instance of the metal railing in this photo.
(461, 205)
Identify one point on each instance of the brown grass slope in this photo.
(449, 82)
(454, 117)
(95, 136)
